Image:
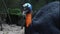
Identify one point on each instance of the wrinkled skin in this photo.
(46, 20)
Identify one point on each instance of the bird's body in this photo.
(46, 20)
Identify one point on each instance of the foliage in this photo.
(37, 4)
(15, 11)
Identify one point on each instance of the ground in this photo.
(12, 29)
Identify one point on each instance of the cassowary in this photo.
(46, 20)
(27, 11)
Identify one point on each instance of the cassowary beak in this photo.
(23, 13)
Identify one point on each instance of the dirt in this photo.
(12, 29)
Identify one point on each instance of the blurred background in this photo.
(11, 10)
(14, 10)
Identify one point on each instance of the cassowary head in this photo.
(27, 8)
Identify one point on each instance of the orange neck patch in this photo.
(28, 19)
